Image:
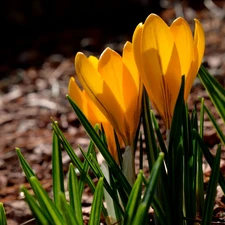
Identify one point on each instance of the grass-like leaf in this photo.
(215, 90)
(57, 170)
(209, 157)
(211, 190)
(41, 218)
(134, 200)
(143, 208)
(25, 166)
(67, 211)
(199, 171)
(150, 140)
(74, 158)
(102, 148)
(175, 158)
(215, 124)
(96, 207)
(74, 194)
(2, 215)
(45, 202)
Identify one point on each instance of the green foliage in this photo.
(2, 215)
(174, 189)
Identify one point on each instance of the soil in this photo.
(31, 96)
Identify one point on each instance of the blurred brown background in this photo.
(32, 30)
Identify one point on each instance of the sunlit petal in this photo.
(199, 40)
(93, 83)
(183, 38)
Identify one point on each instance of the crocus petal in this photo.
(85, 104)
(161, 64)
(94, 116)
(183, 37)
(199, 40)
(110, 67)
(199, 47)
(99, 91)
(163, 54)
(132, 90)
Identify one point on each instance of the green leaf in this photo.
(67, 211)
(211, 190)
(41, 218)
(134, 200)
(74, 194)
(209, 157)
(175, 158)
(45, 202)
(84, 172)
(98, 173)
(96, 207)
(102, 147)
(215, 124)
(74, 158)
(199, 171)
(143, 208)
(189, 168)
(150, 140)
(215, 90)
(57, 170)
(2, 215)
(25, 166)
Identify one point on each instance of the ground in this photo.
(31, 97)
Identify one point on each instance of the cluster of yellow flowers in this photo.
(157, 58)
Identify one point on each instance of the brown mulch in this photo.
(30, 97)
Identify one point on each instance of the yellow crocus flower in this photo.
(113, 84)
(94, 115)
(163, 54)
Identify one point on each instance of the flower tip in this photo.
(128, 46)
(179, 21)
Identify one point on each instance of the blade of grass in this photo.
(2, 215)
(134, 200)
(75, 195)
(199, 172)
(67, 211)
(76, 161)
(150, 140)
(40, 217)
(211, 191)
(209, 157)
(102, 148)
(215, 90)
(215, 124)
(25, 166)
(175, 158)
(84, 172)
(98, 173)
(57, 172)
(143, 208)
(45, 202)
(96, 207)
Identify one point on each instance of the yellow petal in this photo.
(111, 67)
(184, 43)
(199, 39)
(98, 90)
(132, 90)
(94, 61)
(161, 64)
(199, 47)
(75, 92)
(137, 42)
(89, 109)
